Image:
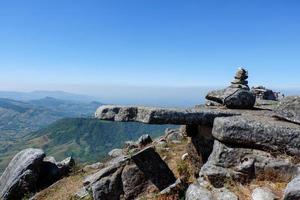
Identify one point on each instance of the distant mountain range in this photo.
(27, 96)
(21, 117)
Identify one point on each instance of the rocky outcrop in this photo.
(22, 174)
(228, 163)
(150, 115)
(289, 109)
(154, 168)
(258, 132)
(29, 171)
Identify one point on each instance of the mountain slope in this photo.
(88, 140)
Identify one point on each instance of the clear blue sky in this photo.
(54, 43)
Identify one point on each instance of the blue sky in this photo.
(69, 44)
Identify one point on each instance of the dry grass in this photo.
(244, 191)
(65, 188)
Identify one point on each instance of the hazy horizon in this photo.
(137, 95)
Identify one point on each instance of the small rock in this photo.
(130, 145)
(144, 140)
(115, 153)
(96, 165)
(184, 156)
(224, 194)
(196, 192)
(82, 193)
(262, 194)
(65, 166)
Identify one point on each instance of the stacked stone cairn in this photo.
(240, 79)
(237, 95)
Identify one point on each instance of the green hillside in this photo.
(88, 140)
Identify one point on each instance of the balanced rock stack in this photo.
(240, 79)
(236, 96)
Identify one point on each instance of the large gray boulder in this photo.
(243, 164)
(108, 188)
(154, 168)
(241, 99)
(22, 174)
(235, 98)
(258, 132)
(134, 181)
(200, 116)
(289, 109)
(292, 191)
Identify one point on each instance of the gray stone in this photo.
(21, 175)
(115, 153)
(108, 188)
(289, 109)
(134, 181)
(65, 166)
(144, 140)
(196, 192)
(262, 194)
(50, 159)
(292, 191)
(220, 95)
(93, 166)
(154, 168)
(91, 179)
(201, 116)
(223, 194)
(173, 134)
(228, 163)
(235, 98)
(241, 99)
(258, 132)
(174, 188)
(82, 193)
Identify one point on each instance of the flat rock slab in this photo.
(149, 115)
(289, 109)
(258, 132)
(21, 175)
(154, 168)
